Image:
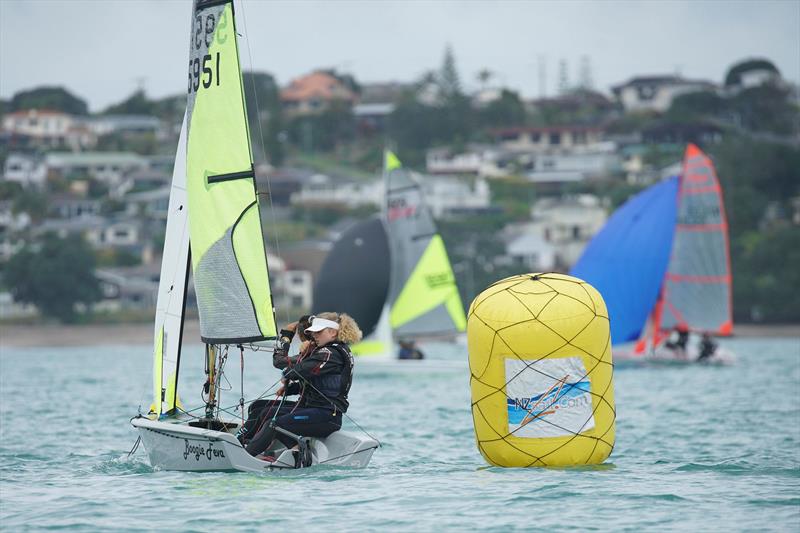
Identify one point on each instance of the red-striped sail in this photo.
(696, 293)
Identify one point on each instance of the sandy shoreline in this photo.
(15, 336)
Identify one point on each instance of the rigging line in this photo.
(241, 366)
(263, 145)
(335, 407)
(135, 446)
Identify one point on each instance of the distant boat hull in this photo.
(667, 356)
(174, 445)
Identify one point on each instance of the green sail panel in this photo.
(228, 255)
(423, 295)
(429, 301)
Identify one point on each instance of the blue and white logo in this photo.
(548, 398)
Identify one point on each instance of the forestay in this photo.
(228, 255)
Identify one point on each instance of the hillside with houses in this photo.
(515, 184)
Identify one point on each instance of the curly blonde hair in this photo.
(349, 332)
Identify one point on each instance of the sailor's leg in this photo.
(308, 422)
(264, 433)
(253, 415)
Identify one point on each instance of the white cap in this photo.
(318, 324)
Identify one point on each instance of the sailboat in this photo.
(662, 263)
(214, 222)
(392, 273)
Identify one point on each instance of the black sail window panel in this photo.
(218, 178)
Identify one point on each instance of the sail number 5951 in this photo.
(203, 74)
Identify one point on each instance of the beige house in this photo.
(50, 128)
(314, 92)
(549, 138)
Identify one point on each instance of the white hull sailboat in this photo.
(214, 206)
(176, 445)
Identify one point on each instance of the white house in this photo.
(291, 289)
(11, 224)
(107, 124)
(27, 170)
(557, 233)
(591, 162)
(108, 167)
(48, 127)
(529, 249)
(443, 194)
(656, 93)
(152, 204)
(321, 189)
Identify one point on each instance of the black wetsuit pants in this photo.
(303, 421)
(259, 414)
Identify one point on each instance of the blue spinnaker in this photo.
(627, 260)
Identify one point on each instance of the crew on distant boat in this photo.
(679, 340)
(322, 378)
(707, 347)
(409, 350)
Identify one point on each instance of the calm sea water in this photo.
(698, 448)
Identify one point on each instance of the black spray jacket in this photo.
(324, 376)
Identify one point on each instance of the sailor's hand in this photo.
(282, 389)
(291, 327)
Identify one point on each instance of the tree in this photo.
(55, 98)
(448, 79)
(508, 110)
(767, 108)
(135, 104)
(697, 104)
(734, 75)
(54, 275)
(483, 76)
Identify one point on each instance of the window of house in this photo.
(555, 138)
(297, 301)
(536, 137)
(646, 92)
(576, 232)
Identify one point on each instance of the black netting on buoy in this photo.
(529, 364)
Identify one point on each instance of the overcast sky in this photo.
(103, 49)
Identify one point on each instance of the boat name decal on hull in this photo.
(198, 450)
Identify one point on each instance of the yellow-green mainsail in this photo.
(228, 256)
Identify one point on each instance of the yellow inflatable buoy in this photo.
(540, 365)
